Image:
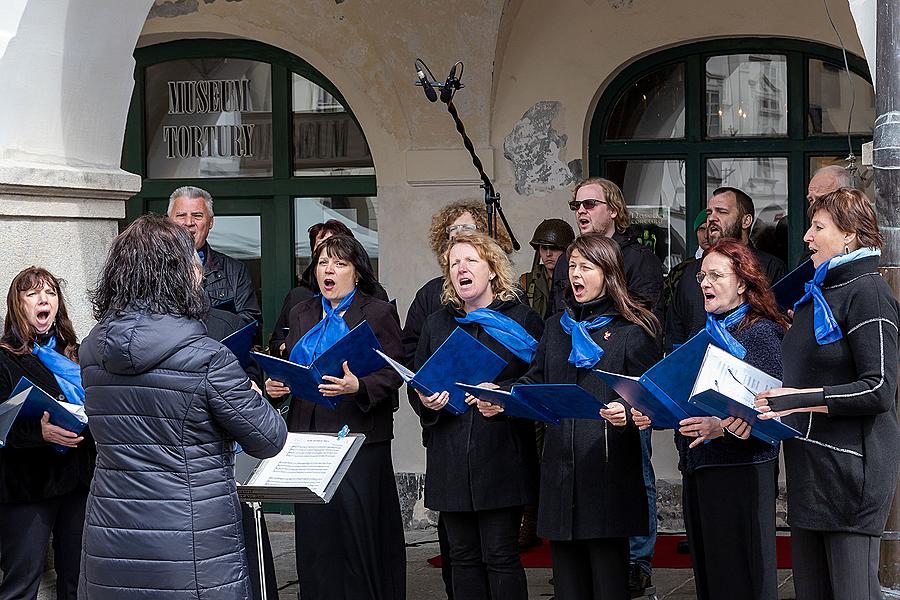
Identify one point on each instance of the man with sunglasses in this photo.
(729, 214)
(599, 206)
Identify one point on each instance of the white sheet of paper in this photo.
(405, 373)
(732, 377)
(307, 460)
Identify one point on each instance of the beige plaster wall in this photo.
(517, 53)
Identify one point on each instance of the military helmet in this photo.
(555, 233)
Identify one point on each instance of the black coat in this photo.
(592, 483)
(31, 470)
(427, 301)
(166, 405)
(475, 463)
(685, 314)
(843, 476)
(227, 280)
(643, 274)
(371, 410)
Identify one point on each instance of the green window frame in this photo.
(798, 146)
(270, 197)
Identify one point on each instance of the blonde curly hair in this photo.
(504, 283)
(437, 235)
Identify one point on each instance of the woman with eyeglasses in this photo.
(840, 378)
(592, 493)
(730, 480)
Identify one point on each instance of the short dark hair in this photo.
(744, 202)
(151, 266)
(331, 226)
(851, 212)
(347, 248)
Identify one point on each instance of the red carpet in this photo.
(665, 556)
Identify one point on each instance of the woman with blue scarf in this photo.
(730, 480)
(45, 471)
(481, 465)
(592, 494)
(352, 547)
(840, 377)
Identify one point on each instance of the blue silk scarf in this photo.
(324, 334)
(585, 351)
(824, 324)
(505, 330)
(718, 330)
(66, 372)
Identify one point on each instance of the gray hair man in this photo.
(225, 279)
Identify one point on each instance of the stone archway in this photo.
(67, 70)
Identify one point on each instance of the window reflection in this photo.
(651, 108)
(654, 193)
(746, 95)
(831, 98)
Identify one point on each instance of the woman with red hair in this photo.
(730, 481)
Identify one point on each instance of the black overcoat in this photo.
(592, 484)
(478, 463)
(371, 409)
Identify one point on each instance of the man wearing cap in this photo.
(676, 272)
(550, 240)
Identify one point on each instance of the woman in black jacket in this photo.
(45, 471)
(730, 480)
(592, 495)
(352, 547)
(840, 377)
(166, 405)
(481, 466)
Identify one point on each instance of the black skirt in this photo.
(353, 547)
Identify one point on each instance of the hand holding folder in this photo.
(461, 358)
(28, 401)
(547, 402)
(359, 348)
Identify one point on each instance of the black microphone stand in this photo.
(491, 197)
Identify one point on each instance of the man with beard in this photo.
(730, 214)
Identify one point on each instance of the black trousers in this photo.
(446, 565)
(353, 547)
(249, 526)
(25, 530)
(595, 569)
(729, 514)
(484, 550)
(834, 565)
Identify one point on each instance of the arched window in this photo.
(270, 138)
(756, 114)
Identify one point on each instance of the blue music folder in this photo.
(240, 343)
(790, 288)
(359, 348)
(727, 386)
(28, 401)
(461, 358)
(547, 402)
(662, 392)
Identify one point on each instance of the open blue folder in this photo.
(662, 392)
(359, 348)
(719, 405)
(28, 401)
(461, 358)
(790, 288)
(547, 402)
(240, 343)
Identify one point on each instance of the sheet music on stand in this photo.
(308, 469)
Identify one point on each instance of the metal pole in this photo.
(886, 158)
(260, 556)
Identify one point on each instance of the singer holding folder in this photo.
(352, 547)
(730, 480)
(592, 494)
(481, 465)
(840, 377)
(42, 490)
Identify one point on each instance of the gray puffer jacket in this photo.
(166, 404)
